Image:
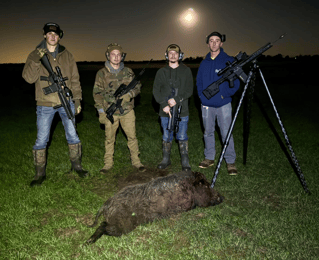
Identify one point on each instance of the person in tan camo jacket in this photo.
(107, 81)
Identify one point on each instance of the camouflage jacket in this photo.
(106, 83)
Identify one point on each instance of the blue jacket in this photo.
(207, 74)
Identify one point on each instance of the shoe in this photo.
(231, 168)
(206, 163)
(140, 167)
(105, 169)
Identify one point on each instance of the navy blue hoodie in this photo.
(207, 74)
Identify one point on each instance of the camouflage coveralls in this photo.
(106, 83)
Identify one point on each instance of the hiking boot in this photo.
(105, 169)
(206, 163)
(231, 168)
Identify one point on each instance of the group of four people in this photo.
(173, 86)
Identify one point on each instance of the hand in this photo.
(126, 97)
(167, 110)
(102, 118)
(171, 102)
(77, 106)
(41, 52)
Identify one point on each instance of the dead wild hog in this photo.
(159, 198)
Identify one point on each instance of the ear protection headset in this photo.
(221, 36)
(174, 47)
(114, 46)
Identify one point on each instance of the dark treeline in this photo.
(197, 60)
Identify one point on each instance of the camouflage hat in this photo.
(114, 46)
(53, 27)
(173, 47)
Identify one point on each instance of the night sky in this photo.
(145, 28)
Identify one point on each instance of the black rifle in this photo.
(173, 122)
(235, 70)
(122, 90)
(57, 85)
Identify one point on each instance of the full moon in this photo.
(189, 18)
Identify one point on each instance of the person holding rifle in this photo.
(217, 107)
(48, 105)
(173, 86)
(107, 81)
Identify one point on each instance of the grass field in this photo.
(266, 213)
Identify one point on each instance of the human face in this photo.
(173, 56)
(115, 58)
(52, 39)
(214, 44)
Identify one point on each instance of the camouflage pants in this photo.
(128, 125)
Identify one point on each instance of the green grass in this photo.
(266, 213)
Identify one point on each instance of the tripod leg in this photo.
(230, 130)
(247, 114)
(293, 156)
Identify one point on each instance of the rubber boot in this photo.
(39, 158)
(167, 146)
(183, 149)
(75, 153)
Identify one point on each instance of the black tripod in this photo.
(292, 159)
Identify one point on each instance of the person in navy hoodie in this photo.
(218, 108)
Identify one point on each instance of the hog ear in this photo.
(200, 179)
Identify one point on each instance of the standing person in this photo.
(219, 106)
(107, 81)
(48, 105)
(173, 86)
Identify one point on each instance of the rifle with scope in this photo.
(121, 91)
(234, 70)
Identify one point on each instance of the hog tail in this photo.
(98, 214)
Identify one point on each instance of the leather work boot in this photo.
(206, 163)
(75, 153)
(231, 168)
(39, 157)
(183, 149)
(167, 146)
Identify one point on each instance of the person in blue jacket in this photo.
(218, 108)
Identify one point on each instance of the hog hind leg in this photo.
(100, 231)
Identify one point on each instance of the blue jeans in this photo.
(223, 115)
(181, 135)
(45, 116)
